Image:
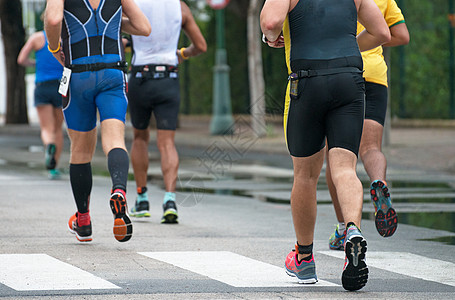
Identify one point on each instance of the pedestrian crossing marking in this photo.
(38, 272)
(408, 264)
(232, 269)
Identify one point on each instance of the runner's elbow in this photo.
(384, 36)
(201, 46)
(403, 40)
(53, 19)
(146, 29)
(269, 25)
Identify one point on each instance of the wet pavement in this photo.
(421, 179)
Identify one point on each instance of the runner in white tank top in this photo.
(161, 45)
(154, 87)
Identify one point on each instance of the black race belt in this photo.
(322, 72)
(120, 65)
(154, 71)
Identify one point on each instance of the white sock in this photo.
(341, 228)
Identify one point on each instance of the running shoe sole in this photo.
(123, 229)
(170, 217)
(301, 281)
(355, 274)
(140, 214)
(386, 219)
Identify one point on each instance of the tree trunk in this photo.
(13, 39)
(255, 71)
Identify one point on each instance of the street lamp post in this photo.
(451, 62)
(222, 119)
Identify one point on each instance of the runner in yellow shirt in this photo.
(370, 152)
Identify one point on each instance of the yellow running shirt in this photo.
(373, 60)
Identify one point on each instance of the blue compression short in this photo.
(103, 90)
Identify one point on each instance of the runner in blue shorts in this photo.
(93, 54)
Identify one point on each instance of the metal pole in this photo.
(388, 119)
(222, 120)
(451, 62)
(402, 81)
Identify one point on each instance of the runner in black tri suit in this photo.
(324, 101)
(93, 51)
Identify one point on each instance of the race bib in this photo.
(65, 82)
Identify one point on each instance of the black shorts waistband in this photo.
(119, 65)
(153, 71)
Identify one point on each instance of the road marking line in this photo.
(232, 269)
(38, 272)
(408, 264)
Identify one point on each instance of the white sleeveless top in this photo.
(160, 46)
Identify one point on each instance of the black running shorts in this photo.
(331, 107)
(46, 92)
(375, 102)
(160, 96)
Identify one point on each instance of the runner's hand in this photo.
(279, 43)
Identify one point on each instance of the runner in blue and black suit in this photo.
(85, 36)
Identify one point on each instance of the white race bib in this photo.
(65, 82)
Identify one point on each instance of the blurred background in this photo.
(421, 73)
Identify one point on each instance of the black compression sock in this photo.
(81, 184)
(118, 164)
(305, 250)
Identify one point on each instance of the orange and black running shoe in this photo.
(123, 229)
(83, 233)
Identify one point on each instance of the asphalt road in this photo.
(227, 245)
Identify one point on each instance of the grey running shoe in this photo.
(141, 208)
(355, 270)
(169, 213)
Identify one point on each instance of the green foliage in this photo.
(196, 86)
(419, 71)
(423, 84)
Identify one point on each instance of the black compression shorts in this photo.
(331, 107)
(160, 96)
(375, 102)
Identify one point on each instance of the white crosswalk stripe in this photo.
(38, 272)
(230, 268)
(408, 264)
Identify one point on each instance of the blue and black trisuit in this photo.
(93, 50)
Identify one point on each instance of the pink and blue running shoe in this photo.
(305, 271)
